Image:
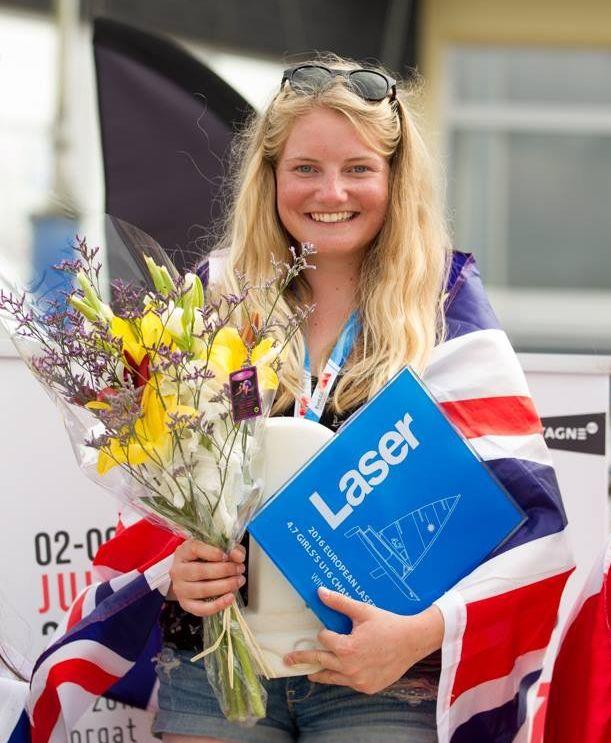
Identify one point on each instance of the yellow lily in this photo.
(268, 379)
(229, 353)
(151, 437)
(140, 336)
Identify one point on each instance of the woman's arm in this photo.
(380, 649)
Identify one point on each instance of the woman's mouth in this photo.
(332, 217)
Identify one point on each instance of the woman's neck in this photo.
(334, 284)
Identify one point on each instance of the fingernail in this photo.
(322, 591)
(241, 568)
(289, 661)
(225, 557)
(241, 580)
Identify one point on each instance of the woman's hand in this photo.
(204, 578)
(380, 649)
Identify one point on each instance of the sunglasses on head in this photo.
(368, 84)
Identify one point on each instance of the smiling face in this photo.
(332, 187)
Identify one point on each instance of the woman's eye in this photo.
(304, 169)
(360, 168)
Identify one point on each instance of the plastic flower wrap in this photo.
(164, 393)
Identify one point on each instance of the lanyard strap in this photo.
(311, 404)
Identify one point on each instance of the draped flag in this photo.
(106, 641)
(498, 620)
(579, 697)
(14, 723)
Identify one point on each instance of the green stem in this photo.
(238, 695)
(252, 683)
(218, 661)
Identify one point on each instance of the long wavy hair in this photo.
(401, 291)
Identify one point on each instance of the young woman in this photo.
(335, 161)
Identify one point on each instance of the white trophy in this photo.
(276, 613)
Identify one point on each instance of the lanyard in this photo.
(311, 404)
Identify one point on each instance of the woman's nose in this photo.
(332, 189)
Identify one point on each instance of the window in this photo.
(529, 152)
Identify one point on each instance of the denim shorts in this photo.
(297, 710)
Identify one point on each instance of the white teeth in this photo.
(331, 216)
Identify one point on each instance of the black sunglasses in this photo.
(368, 84)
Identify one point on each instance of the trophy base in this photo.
(277, 639)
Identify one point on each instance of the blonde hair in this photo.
(400, 296)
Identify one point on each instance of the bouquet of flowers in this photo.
(164, 392)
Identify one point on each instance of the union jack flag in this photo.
(579, 693)
(14, 723)
(498, 620)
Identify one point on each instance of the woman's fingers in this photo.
(196, 570)
(204, 578)
(192, 549)
(327, 660)
(238, 554)
(208, 588)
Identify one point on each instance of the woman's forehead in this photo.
(323, 132)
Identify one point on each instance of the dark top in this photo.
(184, 630)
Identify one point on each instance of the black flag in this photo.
(166, 124)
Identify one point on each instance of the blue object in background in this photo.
(53, 240)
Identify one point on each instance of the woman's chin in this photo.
(337, 249)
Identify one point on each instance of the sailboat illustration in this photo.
(400, 546)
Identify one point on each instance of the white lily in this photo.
(226, 514)
(172, 318)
